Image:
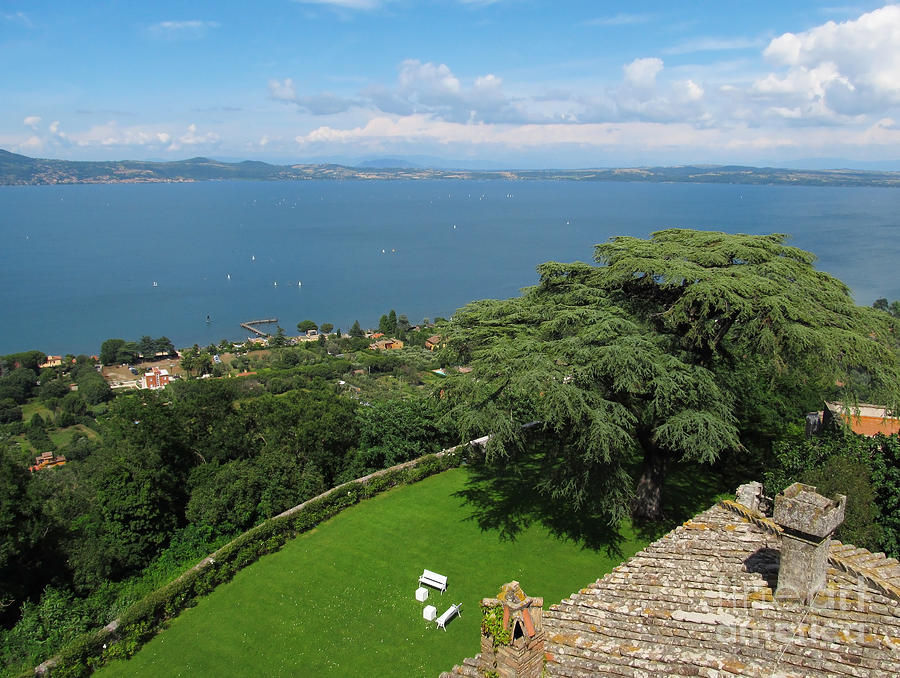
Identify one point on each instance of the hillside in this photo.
(18, 169)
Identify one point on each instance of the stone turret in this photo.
(808, 520)
(512, 634)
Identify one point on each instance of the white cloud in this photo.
(427, 79)
(32, 121)
(641, 73)
(322, 103)
(192, 138)
(423, 129)
(18, 18)
(421, 87)
(620, 19)
(688, 90)
(645, 94)
(344, 4)
(32, 143)
(182, 30)
(110, 134)
(367, 5)
(283, 90)
(852, 67)
(433, 89)
(714, 45)
(416, 133)
(113, 135)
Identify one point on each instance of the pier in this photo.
(249, 325)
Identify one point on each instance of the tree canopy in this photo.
(648, 357)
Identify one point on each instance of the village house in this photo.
(732, 592)
(433, 342)
(47, 460)
(386, 344)
(156, 378)
(51, 361)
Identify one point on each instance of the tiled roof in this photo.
(866, 420)
(699, 602)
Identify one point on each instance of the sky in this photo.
(458, 83)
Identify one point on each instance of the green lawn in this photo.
(63, 436)
(338, 601)
(33, 407)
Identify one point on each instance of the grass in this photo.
(35, 406)
(338, 601)
(63, 436)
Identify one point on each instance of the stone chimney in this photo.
(751, 496)
(808, 520)
(512, 634)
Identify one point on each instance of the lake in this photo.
(84, 263)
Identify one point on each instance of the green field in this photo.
(338, 601)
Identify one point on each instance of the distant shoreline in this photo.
(20, 170)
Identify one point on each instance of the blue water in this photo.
(79, 262)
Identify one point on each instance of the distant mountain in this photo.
(389, 163)
(20, 169)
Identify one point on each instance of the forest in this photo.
(687, 350)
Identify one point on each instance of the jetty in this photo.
(250, 325)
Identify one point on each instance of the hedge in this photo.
(140, 622)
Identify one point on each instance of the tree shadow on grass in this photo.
(506, 497)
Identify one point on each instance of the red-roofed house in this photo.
(157, 378)
(386, 344)
(864, 420)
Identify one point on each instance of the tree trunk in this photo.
(647, 505)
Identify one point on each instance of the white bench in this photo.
(447, 616)
(434, 579)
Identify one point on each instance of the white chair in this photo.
(447, 616)
(434, 579)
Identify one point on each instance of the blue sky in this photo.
(472, 83)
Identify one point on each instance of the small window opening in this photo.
(517, 631)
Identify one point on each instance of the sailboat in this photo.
(155, 284)
(228, 275)
(252, 257)
(299, 284)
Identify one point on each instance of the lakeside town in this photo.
(163, 367)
